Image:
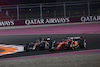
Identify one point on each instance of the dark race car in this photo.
(41, 44)
(71, 43)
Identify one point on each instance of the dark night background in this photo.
(13, 2)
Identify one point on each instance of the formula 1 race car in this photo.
(71, 43)
(48, 44)
(41, 44)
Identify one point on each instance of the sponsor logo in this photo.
(46, 21)
(57, 20)
(6, 23)
(90, 18)
(34, 21)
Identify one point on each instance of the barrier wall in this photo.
(49, 21)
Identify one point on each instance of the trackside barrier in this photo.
(49, 21)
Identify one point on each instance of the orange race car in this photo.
(71, 43)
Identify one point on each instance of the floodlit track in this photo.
(89, 57)
(92, 42)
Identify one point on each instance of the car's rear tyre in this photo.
(26, 49)
(82, 45)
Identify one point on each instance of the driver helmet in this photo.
(81, 38)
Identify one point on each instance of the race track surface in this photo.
(92, 42)
(89, 57)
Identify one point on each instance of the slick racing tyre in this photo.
(26, 48)
(62, 47)
(37, 49)
(83, 45)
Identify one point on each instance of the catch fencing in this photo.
(52, 10)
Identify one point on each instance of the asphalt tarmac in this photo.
(92, 42)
